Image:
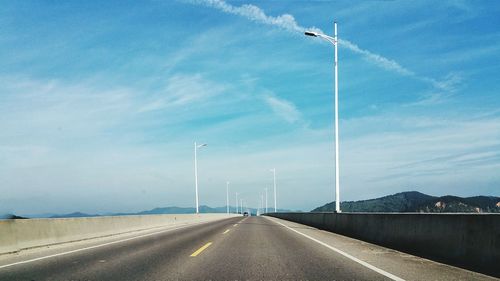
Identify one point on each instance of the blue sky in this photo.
(100, 102)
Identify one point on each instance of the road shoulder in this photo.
(400, 264)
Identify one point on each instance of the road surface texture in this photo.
(239, 248)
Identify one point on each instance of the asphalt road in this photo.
(254, 248)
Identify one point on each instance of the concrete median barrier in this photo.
(470, 241)
(16, 235)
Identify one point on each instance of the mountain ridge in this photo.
(414, 201)
(155, 211)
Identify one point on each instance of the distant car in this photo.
(245, 214)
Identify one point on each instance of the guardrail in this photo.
(470, 241)
(16, 235)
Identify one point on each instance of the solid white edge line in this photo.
(376, 269)
(100, 245)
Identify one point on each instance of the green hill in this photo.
(414, 201)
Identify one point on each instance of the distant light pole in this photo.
(334, 41)
(266, 198)
(262, 201)
(274, 177)
(196, 147)
(237, 202)
(227, 197)
(241, 206)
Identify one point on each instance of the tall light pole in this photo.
(274, 177)
(227, 197)
(196, 147)
(334, 41)
(262, 201)
(266, 198)
(236, 202)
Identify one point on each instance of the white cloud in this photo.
(37, 110)
(283, 108)
(254, 13)
(288, 22)
(379, 155)
(377, 59)
(431, 154)
(181, 90)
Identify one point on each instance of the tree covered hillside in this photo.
(414, 201)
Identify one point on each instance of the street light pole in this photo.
(266, 198)
(334, 41)
(237, 202)
(337, 164)
(261, 201)
(274, 177)
(196, 147)
(227, 197)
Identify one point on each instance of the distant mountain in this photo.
(155, 211)
(181, 210)
(414, 201)
(73, 215)
(452, 204)
(191, 210)
(11, 217)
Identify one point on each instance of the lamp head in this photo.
(311, 33)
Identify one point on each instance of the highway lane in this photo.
(254, 248)
(263, 250)
(131, 260)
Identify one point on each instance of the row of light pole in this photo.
(334, 41)
(198, 146)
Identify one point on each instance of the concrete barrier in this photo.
(16, 235)
(470, 241)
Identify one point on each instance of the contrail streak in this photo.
(288, 22)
